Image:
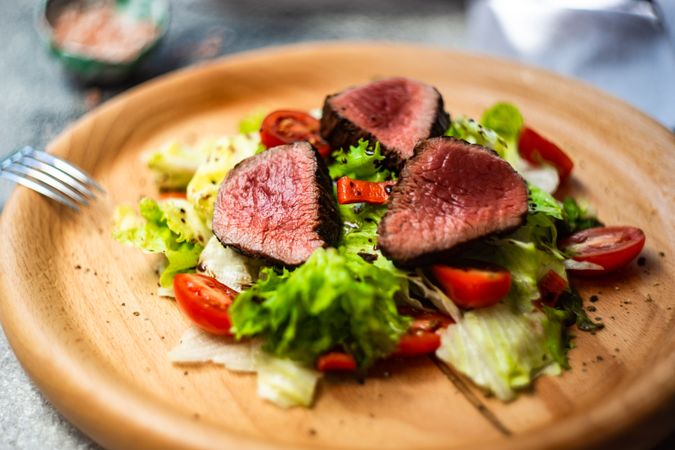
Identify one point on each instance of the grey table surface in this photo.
(38, 100)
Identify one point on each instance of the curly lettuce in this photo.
(174, 164)
(333, 300)
(474, 133)
(160, 229)
(576, 217)
(252, 122)
(362, 162)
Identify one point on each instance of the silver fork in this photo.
(50, 176)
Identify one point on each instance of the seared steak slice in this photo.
(278, 205)
(449, 193)
(397, 112)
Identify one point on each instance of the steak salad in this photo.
(384, 229)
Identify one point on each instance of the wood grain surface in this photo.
(81, 313)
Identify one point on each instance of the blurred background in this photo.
(625, 47)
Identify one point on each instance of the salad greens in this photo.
(474, 133)
(285, 382)
(332, 301)
(362, 162)
(252, 122)
(505, 120)
(175, 164)
(577, 217)
(503, 349)
(159, 229)
(346, 298)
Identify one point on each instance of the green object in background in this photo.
(90, 69)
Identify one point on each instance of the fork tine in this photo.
(46, 179)
(63, 166)
(30, 184)
(65, 178)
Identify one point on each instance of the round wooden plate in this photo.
(81, 313)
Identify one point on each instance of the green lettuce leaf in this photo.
(528, 254)
(576, 217)
(252, 122)
(152, 232)
(543, 202)
(503, 349)
(361, 162)
(332, 301)
(471, 131)
(504, 119)
(571, 302)
(222, 155)
(359, 232)
(284, 382)
(174, 164)
(182, 219)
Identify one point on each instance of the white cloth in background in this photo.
(620, 46)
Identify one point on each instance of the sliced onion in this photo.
(196, 346)
(545, 177)
(435, 295)
(165, 292)
(573, 264)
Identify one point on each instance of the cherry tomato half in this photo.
(473, 288)
(537, 149)
(430, 321)
(551, 286)
(609, 247)
(417, 343)
(286, 126)
(205, 301)
(336, 362)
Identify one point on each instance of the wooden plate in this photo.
(81, 313)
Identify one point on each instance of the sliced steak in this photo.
(278, 205)
(397, 112)
(449, 193)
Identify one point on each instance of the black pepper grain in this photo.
(641, 261)
(594, 298)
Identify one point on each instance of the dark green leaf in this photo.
(572, 303)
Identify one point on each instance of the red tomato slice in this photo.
(286, 126)
(205, 301)
(537, 149)
(609, 247)
(417, 343)
(473, 288)
(336, 362)
(551, 286)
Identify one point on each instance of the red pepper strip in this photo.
(551, 286)
(357, 191)
(172, 194)
(336, 362)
